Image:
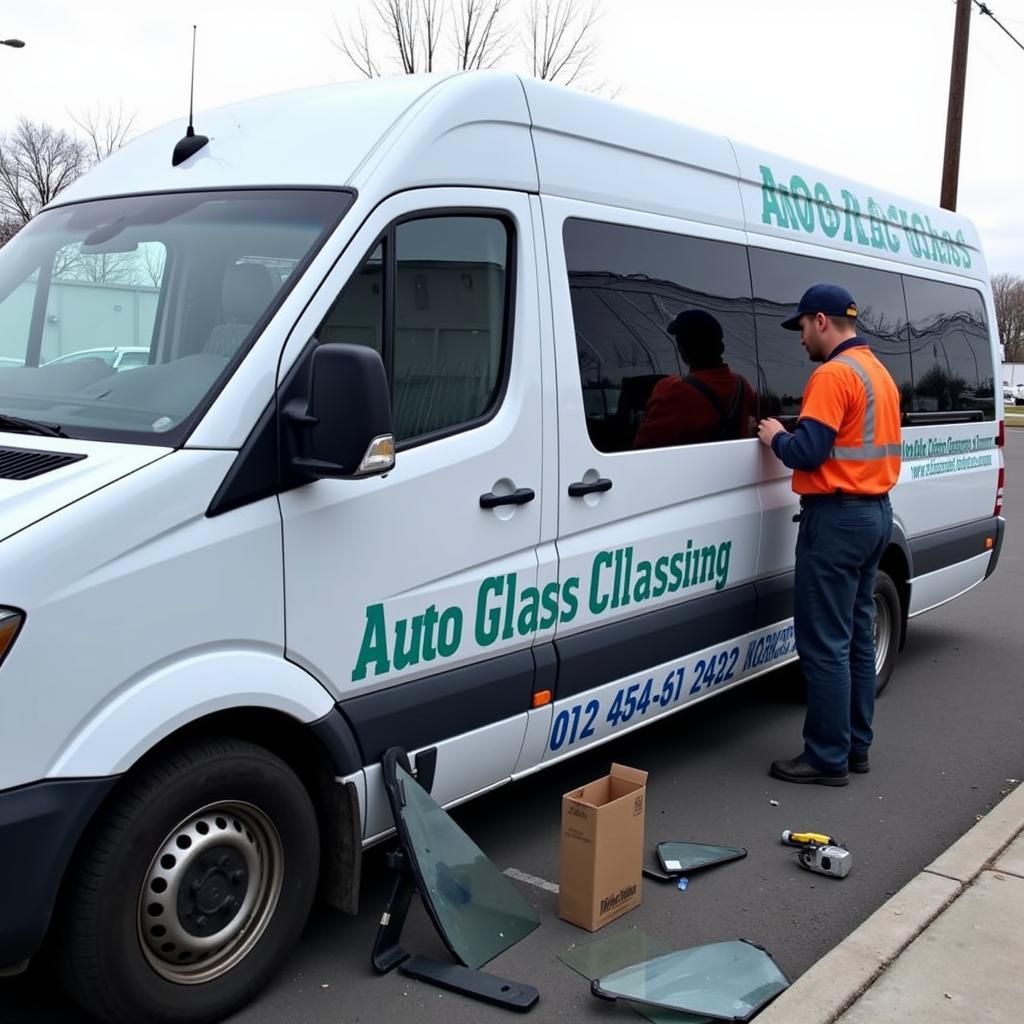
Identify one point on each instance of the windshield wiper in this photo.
(30, 426)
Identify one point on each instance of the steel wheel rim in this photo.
(210, 892)
(883, 631)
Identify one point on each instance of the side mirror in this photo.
(344, 429)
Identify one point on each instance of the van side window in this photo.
(950, 348)
(431, 298)
(642, 386)
(450, 284)
(779, 280)
(357, 316)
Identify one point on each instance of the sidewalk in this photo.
(946, 948)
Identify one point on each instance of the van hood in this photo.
(40, 475)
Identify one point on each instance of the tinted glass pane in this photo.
(683, 857)
(604, 956)
(627, 285)
(449, 317)
(476, 908)
(727, 980)
(951, 349)
(357, 316)
(618, 951)
(779, 280)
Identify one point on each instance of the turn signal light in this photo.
(541, 698)
(10, 623)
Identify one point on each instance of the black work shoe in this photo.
(860, 764)
(799, 769)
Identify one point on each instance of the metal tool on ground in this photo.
(805, 839)
(833, 861)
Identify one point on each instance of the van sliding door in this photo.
(659, 468)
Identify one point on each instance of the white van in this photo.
(377, 484)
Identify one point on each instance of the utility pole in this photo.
(955, 112)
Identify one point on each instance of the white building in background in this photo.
(1013, 383)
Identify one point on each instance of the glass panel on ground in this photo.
(477, 910)
(725, 980)
(617, 951)
(678, 858)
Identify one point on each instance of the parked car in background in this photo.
(128, 357)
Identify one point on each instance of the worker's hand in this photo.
(767, 429)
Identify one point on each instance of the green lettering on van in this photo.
(803, 208)
(374, 648)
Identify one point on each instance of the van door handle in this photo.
(598, 486)
(518, 497)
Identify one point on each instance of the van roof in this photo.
(495, 129)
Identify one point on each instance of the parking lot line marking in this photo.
(539, 883)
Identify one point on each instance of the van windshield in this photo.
(121, 318)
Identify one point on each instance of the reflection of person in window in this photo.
(711, 403)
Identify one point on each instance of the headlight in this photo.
(10, 622)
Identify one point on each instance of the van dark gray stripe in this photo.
(607, 653)
(437, 707)
(943, 548)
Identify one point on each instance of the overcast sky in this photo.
(858, 87)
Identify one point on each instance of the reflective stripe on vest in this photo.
(866, 451)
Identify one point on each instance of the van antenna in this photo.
(190, 143)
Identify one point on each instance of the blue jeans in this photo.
(838, 548)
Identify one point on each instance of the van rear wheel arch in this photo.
(895, 564)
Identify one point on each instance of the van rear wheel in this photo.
(194, 889)
(888, 620)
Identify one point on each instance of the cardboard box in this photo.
(602, 848)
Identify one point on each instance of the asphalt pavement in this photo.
(948, 749)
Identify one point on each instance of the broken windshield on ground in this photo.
(678, 858)
(726, 980)
(476, 909)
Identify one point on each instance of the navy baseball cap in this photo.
(830, 299)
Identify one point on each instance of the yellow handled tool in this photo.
(808, 839)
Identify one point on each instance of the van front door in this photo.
(408, 594)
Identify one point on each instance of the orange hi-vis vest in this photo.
(854, 395)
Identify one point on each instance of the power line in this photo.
(986, 10)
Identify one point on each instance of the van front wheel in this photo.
(194, 889)
(888, 622)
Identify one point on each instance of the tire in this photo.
(194, 888)
(888, 623)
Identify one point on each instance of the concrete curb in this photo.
(835, 982)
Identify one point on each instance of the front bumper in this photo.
(40, 825)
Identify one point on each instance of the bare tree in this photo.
(1008, 295)
(481, 38)
(560, 42)
(355, 44)
(105, 130)
(37, 163)
(411, 28)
